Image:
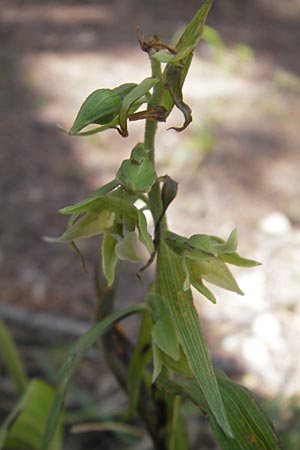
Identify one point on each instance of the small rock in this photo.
(275, 224)
(267, 328)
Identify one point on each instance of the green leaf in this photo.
(136, 93)
(164, 332)
(24, 427)
(180, 366)
(214, 271)
(250, 425)
(72, 360)
(170, 280)
(185, 48)
(193, 31)
(12, 360)
(109, 257)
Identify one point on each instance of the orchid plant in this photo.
(169, 362)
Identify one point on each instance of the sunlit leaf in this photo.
(170, 280)
(25, 426)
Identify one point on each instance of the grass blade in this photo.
(72, 360)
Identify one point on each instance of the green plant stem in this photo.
(150, 133)
(155, 203)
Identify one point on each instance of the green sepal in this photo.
(175, 242)
(112, 202)
(137, 174)
(214, 271)
(197, 283)
(163, 56)
(109, 257)
(198, 245)
(88, 225)
(237, 260)
(144, 235)
(221, 246)
(135, 94)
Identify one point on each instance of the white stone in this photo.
(267, 328)
(275, 224)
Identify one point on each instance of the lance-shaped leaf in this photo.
(193, 31)
(72, 360)
(100, 107)
(251, 427)
(170, 280)
(135, 94)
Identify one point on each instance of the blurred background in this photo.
(237, 166)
